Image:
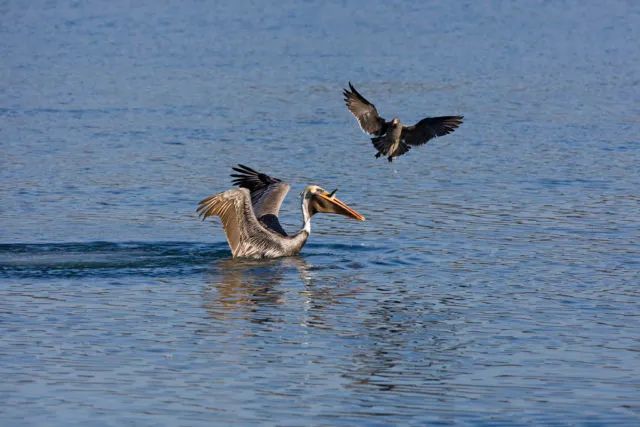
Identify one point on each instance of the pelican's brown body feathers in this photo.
(248, 237)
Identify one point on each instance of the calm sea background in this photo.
(495, 281)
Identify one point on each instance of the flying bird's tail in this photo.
(383, 145)
(379, 143)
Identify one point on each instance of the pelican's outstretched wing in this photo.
(429, 128)
(365, 112)
(240, 223)
(267, 194)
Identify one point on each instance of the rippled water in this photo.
(495, 280)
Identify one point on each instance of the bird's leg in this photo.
(378, 154)
(390, 158)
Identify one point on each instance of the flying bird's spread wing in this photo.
(238, 220)
(267, 194)
(429, 128)
(365, 112)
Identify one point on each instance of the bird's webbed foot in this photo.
(378, 154)
(390, 158)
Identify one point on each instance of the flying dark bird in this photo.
(393, 139)
(249, 214)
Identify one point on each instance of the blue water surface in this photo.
(495, 281)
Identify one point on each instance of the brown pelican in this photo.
(249, 214)
(392, 138)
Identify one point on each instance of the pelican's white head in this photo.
(318, 200)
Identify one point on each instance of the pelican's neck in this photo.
(306, 217)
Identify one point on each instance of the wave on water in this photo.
(47, 260)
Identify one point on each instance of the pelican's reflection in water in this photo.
(237, 285)
(268, 290)
(387, 337)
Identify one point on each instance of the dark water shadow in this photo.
(391, 361)
(408, 348)
(107, 259)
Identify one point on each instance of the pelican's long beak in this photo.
(329, 203)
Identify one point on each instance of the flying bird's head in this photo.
(319, 200)
(395, 121)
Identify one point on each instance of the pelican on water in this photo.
(249, 214)
(393, 139)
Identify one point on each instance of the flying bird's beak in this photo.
(329, 203)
